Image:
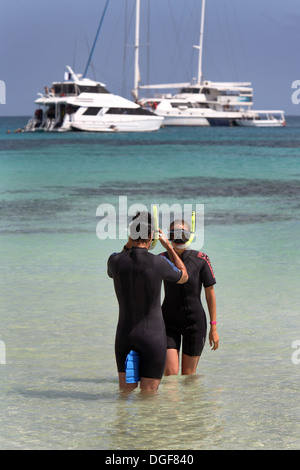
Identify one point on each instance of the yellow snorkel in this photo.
(156, 230)
(193, 226)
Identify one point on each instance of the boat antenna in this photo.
(200, 47)
(96, 38)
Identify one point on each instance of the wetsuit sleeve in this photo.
(110, 265)
(206, 271)
(169, 271)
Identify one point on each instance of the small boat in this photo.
(263, 119)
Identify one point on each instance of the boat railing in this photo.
(56, 95)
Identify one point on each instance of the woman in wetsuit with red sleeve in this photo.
(183, 312)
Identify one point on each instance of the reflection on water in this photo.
(180, 415)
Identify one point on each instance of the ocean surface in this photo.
(58, 311)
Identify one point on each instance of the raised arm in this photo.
(176, 260)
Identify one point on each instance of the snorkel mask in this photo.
(180, 238)
(183, 238)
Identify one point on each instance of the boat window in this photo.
(92, 89)
(64, 89)
(186, 90)
(57, 89)
(131, 111)
(71, 109)
(231, 92)
(200, 105)
(178, 105)
(116, 111)
(91, 111)
(189, 90)
(70, 89)
(261, 116)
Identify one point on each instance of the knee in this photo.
(171, 370)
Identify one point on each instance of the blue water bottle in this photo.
(132, 367)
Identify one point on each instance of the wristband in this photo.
(213, 322)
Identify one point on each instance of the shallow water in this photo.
(59, 387)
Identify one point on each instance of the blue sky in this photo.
(244, 40)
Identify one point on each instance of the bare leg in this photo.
(189, 364)
(172, 363)
(122, 383)
(149, 385)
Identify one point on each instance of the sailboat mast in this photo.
(136, 52)
(95, 40)
(200, 47)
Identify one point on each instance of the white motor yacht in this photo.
(81, 104)
(207, 104)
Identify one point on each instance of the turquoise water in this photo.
(59, 387)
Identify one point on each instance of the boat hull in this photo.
(200, 121)
(185, 121)
(222, 122)
(194, 117)
(149, 125)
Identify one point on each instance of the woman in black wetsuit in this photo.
(138, 277)
(183, 313)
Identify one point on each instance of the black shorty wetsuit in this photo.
(182, 309)
(138, 276)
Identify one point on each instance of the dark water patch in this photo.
(241, 218)
(45, 230)
(25, 144)
(75, 211)
(22, 191)
(184, 187)
(188, 187)
(25, 209)
(162, 139)
(224, 218)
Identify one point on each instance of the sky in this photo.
(244, 40)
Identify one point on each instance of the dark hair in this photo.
(140, 227)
